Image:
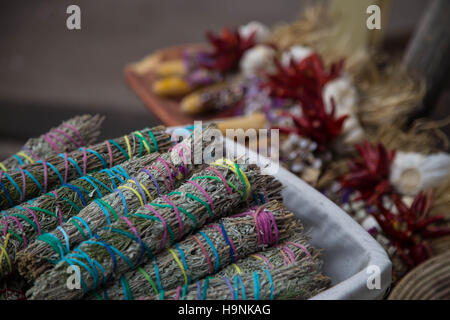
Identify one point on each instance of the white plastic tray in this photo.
(349, 253)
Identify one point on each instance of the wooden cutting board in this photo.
(140, 78)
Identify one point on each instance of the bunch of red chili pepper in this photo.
(409, 228)
(303, 82)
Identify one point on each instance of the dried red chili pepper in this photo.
(307, 77)
(228, 48)
(409, 229)
(315, 123)
(369, 174)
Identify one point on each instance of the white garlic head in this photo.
(296, 53)
(257, 59)
(261, 31)
(412, 172)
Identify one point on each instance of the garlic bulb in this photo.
(345, 97)
(297, 53)
(262, 32)
(412, 172)
(258, 58)
(369, 223)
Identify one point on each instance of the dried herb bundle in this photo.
(295, 249)
(72, 134)
(166, 174)
(27, 222)
(210, 194)
(210, 249)
(294, 281)
(34, 179)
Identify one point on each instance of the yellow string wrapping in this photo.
(22, 154)
(127, 141)
(144, 188)
(2, 167)
(238, 270)
(227, 163)
(135, 192)
(4, 253)
(180, 265)
(147, 147)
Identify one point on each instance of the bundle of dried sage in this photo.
(167, 173)
(210, 194)
(44, 175)
(210, 249)
(24, 223)
(77, 132)
(293, 281)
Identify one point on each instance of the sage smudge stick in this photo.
(166, 174)
(210, 194)
(295, 249)
(79, 131)
(294, 281)
(23, 224)
(210, 249)
(44, 175)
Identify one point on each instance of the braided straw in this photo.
(79, 131)
(220, 243)
(294, 281)
(212, 193)
(28, 221)
(44, 175)
(168, 172)
(428, 281)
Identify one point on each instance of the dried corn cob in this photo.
(213, 98)
(178, 86)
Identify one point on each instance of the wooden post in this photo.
(351, 16)
(428, 54)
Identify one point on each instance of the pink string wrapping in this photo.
(66, 165)
(205, 253)
(132, 227)
(156, 213)
(34, 218)
(75, 130)
(44, 164)
(266, 227)
(302, 247)
(68, 137)
(265, 260)
(61, 220)
(162, 175)
(169, 172)
(24, 184)
(55, 137)
(177, 212)
(225, 183)
(108, 146)
(203, 191)
(19, 225)
(51, 143)
(84, 161)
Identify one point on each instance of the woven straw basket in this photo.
(428, 281)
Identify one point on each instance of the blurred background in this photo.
(49, 73)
